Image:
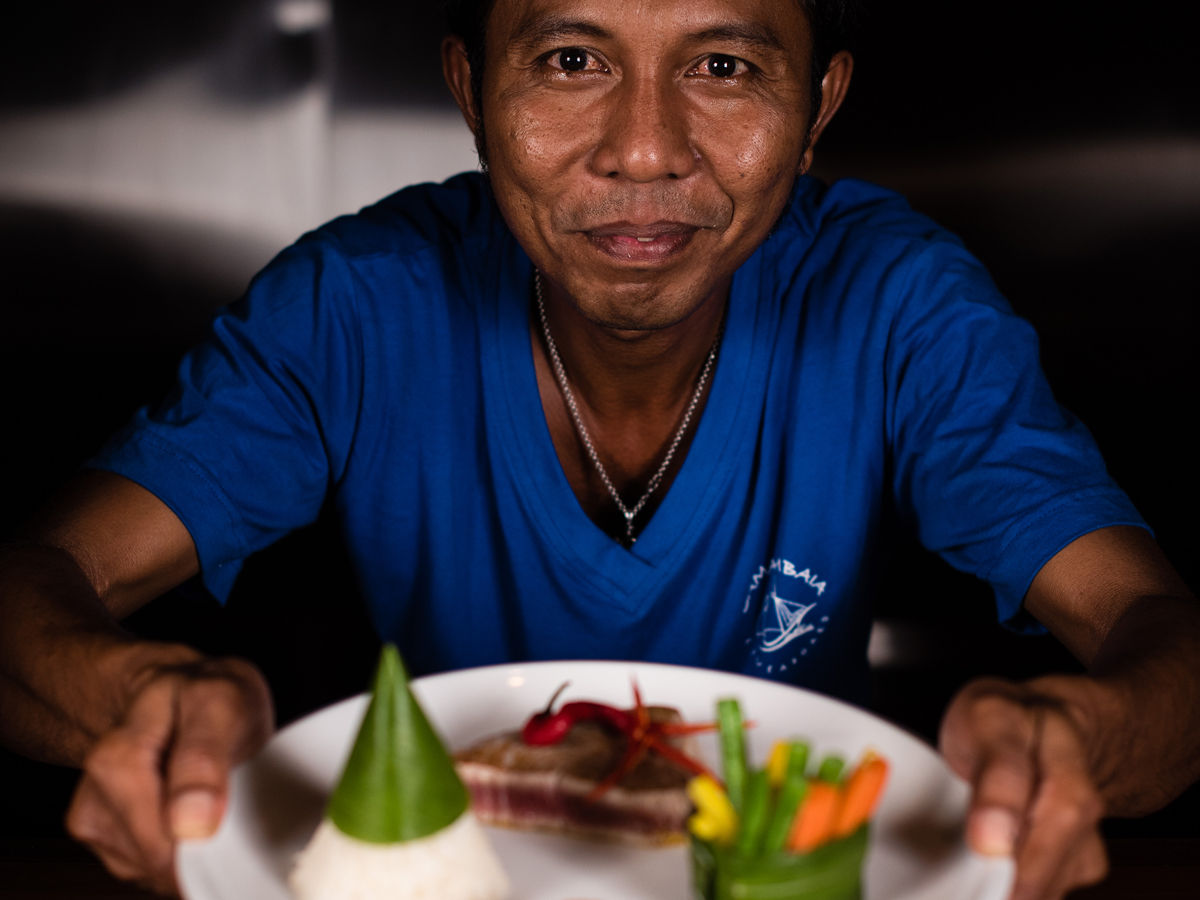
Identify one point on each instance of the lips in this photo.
(653, 242)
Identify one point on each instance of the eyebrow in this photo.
(536, 31)
(752, 33)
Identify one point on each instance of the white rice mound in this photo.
(456, 863)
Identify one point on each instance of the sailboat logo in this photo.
(781, 618)
(782, 622)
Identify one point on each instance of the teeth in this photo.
(645, 240)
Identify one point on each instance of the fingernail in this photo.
(193, 815)
(993, 831)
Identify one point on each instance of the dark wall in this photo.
(1045, 136)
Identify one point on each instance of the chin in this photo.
(637, 308)
(650, 316)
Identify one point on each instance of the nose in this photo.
(645, 135)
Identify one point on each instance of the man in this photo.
(632, 395)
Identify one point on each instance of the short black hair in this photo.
(832, 23)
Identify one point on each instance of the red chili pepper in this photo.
(549, 727)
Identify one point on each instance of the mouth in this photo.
(649, 243)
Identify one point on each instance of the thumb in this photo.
(987, 738)
(219, 723)
(195, 813)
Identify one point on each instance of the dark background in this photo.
(1061, 140)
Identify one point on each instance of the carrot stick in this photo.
(860, 794)
(813, 824)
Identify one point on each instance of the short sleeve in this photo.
(994, 474)
(259, 423)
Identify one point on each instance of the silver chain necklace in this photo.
(561, 375)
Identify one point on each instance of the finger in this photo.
(221, 721)
(1002, 791)
(988, 736)
(118, 807)
(91, 820)
(1080, 864)
(1091, 863)
(978, 715)
(1084, 863)
(1062, 848)
(122, 860)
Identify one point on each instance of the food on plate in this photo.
(398, 825)
(590, 770)
(785, 830)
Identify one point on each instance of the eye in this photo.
(570, 59)
(719, 65)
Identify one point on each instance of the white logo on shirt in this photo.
(785, 625)
(785, 613)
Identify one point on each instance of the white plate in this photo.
(917, 848)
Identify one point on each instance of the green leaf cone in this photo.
(399, 783)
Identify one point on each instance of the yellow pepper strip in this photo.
(714, 819)
(777, 763)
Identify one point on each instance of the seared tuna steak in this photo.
(552, 787)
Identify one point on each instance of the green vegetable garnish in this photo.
(733, 751)
(754, 816)
(791, 795)
(831, 769)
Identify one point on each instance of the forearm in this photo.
(1139, 708)
(67, 668)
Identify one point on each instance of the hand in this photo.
(161, 775)
(1033, 795)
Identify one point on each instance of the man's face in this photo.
(640, 151)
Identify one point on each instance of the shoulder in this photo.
(420, 236)
(861, 240)
(857, 210)
(451, 216)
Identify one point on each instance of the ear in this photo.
(834, 86)
(456, 69)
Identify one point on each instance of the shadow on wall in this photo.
(56, 53)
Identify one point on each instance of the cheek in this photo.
(754, 157)
(523, 158)
(536, 139)
(751, 142)
(763, 161)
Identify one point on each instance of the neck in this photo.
(622, 412)
(616, 373)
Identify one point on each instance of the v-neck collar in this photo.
(617, 575)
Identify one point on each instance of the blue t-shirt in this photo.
(869, 373)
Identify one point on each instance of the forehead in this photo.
(782, 22)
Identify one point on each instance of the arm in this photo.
(155, 727)
(1049, 757)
